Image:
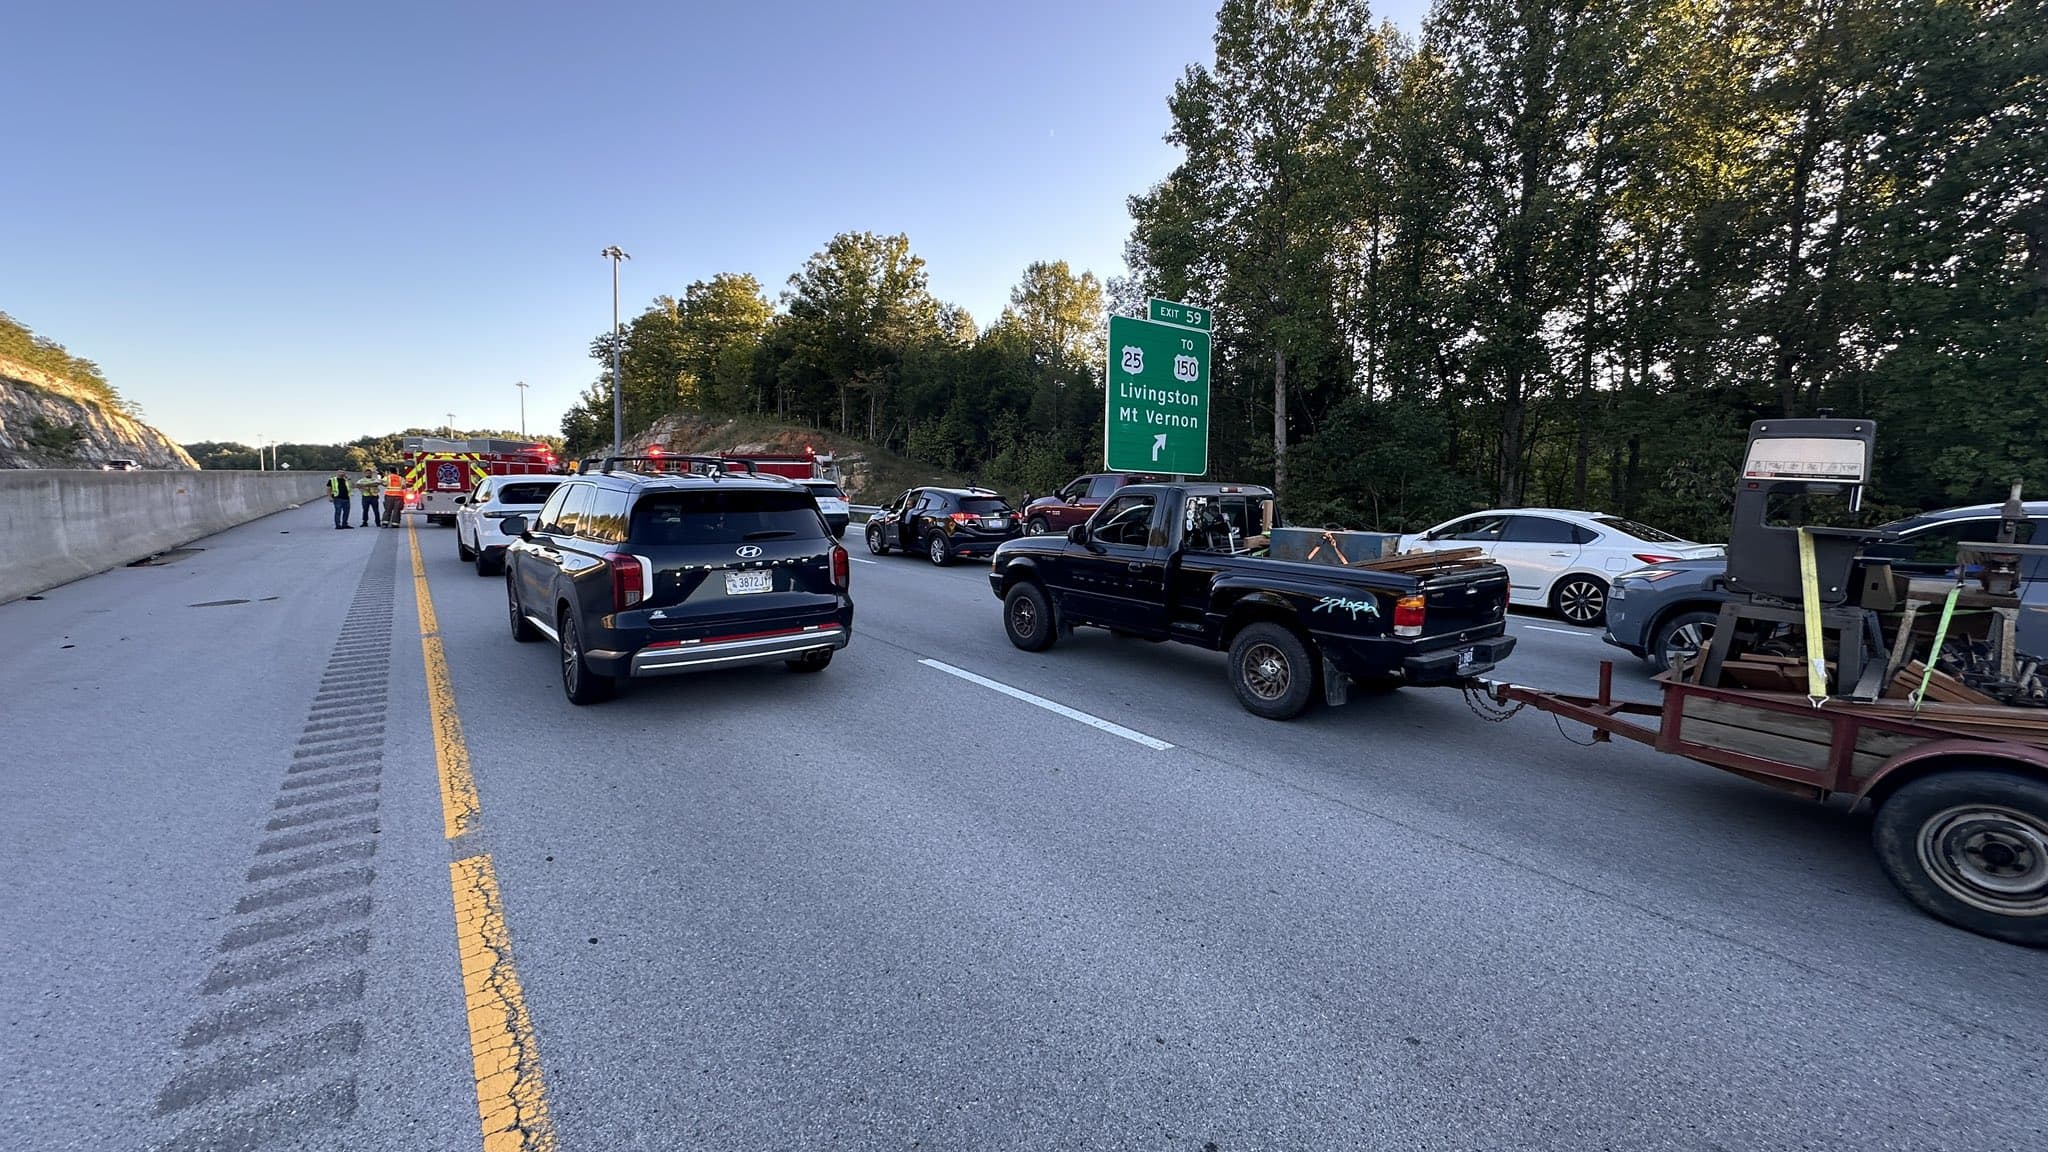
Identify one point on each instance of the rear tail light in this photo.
(963, 517)
(629, 580)
(1654, 558)
(1408, 614)
(842, 568)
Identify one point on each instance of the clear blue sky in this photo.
(312, 225)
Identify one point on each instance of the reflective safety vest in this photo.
(394, 485)
(337, 488)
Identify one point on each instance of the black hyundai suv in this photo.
(943, 523)
(659, 565)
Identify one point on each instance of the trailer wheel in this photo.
(1272, 672)
(1971, 847)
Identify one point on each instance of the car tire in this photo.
(579, 683)
(839, 533)
(463, 552)
(1028, 617)
(1970, 846)
(1272, 671)
(875, 544)
(522, 628)
(1581, 600)
(487, 565)
(811, 661)
(939, 549)
(1037, 526)
(1687, 634)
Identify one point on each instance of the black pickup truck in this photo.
(1176, 562)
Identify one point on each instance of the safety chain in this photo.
(1485, 707)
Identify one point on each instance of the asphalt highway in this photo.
(904, 904)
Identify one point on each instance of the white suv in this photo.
(480, 516)
(831, 501)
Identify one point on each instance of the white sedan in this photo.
(1557, 558)
(479, 516)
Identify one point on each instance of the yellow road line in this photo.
(510, 1095)
(458, 788)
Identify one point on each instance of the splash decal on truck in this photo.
(1335, 604)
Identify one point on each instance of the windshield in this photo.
(826, 491)
(724, 517)
(1639, 531)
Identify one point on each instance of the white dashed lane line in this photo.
(1559, 631)
(1097, 722)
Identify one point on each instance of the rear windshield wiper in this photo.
(769, 534)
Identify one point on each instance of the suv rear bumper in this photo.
(672, 657)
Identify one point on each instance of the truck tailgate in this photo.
(1465, 600)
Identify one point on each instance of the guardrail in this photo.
(861, 513)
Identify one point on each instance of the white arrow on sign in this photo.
(1158, 442)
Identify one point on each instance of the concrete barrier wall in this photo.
(57, 525)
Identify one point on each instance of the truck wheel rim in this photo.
(1580, 602)
(1989, 857)
(1024, 617)
(1266, 672)
(1036, 527)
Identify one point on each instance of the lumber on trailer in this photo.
(1941, 687)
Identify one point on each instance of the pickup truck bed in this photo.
(1171, 562)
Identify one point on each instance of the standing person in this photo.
(367, 488)
(394, 498)
(337, 491)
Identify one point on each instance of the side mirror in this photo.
(1078, 534)
(516, 526)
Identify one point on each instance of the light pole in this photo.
(615, 254)
(451, 425)
(521, 385)
(259, 452)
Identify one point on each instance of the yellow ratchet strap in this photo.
(1948, 611)
(1809, 602)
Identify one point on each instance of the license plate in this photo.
(1467, 657)
(743, 583)
(996, 523)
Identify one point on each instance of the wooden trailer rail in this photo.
(1781, 739)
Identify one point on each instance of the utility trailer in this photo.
(1959, 791)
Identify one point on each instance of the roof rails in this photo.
(678, 465)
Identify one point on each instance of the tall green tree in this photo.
(855, 309)
(1257, 218)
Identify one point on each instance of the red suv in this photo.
(1076, 502)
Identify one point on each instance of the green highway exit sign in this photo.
(1156, 416)
(1174, 312)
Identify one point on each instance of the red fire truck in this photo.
(438, 470)
(805, 465)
